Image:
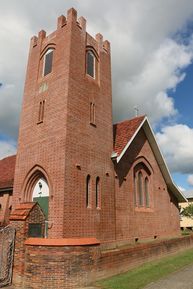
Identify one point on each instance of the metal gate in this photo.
(7, 240)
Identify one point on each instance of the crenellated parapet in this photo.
(72, 20)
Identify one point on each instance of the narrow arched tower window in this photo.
(88, 191)
(97, 192)
(41, 111)
(135, 196)
(90, 64)
(139, 187)
(92, 113)
(48, 59)
(146, 192)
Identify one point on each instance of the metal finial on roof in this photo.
(136, 110)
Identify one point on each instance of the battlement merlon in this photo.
(61, 21)
(71, 19)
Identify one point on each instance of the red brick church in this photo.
(103, 181)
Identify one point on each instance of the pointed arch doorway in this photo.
(37, 188)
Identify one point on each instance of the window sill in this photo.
(43, 78)
(95, 81)
(90, 76)
(41, 121)
(92, 124)
(144, 209)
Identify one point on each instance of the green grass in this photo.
(145, 274)
(186, 232)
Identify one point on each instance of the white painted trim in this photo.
(163, 165)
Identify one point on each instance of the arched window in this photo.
(90, 63)
(41, 111)
(97, 192)
(146, 185)
(88, 192)
(142, 175)
(139, 187)
(48, 59)
(135, 192)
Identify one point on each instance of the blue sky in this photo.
(184, 97)
(152, 55)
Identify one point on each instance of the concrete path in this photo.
(182, 279)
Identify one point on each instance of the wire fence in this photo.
(7, 241)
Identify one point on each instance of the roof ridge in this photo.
(7, 157)
(127, 120)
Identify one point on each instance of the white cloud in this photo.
(176, 143)
(7, 148)
(13, 58)
(162, 70)
(190, 180)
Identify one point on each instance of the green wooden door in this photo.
(44, 204)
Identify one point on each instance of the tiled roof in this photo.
(124, 131)
(22, 211)
(7, 169)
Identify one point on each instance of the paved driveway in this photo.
(182, 279)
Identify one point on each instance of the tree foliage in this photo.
(188, 211)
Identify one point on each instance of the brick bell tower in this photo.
(65, 135)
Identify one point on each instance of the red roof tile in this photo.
(22, 211)
(123, 132)
(7, 169)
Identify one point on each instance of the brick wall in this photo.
(161, 219)
(21, 227)
(5, 205)
(120, 260)
(19, 253)
(36, 216)
(75, 266)
(58, 267)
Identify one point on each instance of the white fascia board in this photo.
(131, 140)
(161, 162)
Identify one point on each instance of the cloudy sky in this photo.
(152, 55)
